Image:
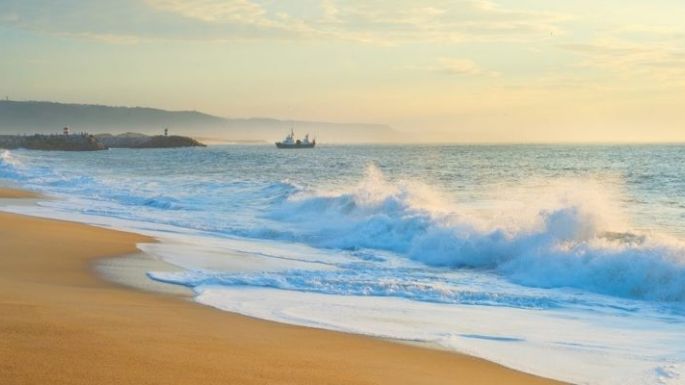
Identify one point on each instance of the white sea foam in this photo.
(9, 165)
(576, 241)
(581, 347)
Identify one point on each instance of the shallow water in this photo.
(537, 257)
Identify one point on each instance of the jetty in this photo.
(135, 140)
(81, 142)
(88, 142)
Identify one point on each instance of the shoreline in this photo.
(130, 272)
(65, 324)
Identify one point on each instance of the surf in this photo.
(578, 239)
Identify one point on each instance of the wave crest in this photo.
(9, 165)
(572, 234)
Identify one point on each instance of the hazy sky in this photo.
(524, 70)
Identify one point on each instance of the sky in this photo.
(445, 71)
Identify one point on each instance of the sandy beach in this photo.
(60, 323)
(13, 193)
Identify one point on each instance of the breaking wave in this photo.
(9, 165)
(570, 235)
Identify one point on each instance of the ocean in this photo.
(566, 261)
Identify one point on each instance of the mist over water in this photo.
(591, 230)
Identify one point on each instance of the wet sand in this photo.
(12, 193)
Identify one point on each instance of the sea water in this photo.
(564, 261)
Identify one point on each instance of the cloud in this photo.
(95, 20)
(103, 37)
(330, 11)
(606, 49)
(408, 21)
(659, 32)
(382, 22)
(229, 11)
(9, 17)
(377, 21)
(463, 67)
(660, 61)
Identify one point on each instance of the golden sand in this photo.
(61, 324)
(11, 193)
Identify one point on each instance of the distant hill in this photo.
(29, 117)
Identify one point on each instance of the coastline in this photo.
(63, 324)
(14, 193)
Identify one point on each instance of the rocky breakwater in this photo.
(133, 140)
(86, 142)
(83, 142)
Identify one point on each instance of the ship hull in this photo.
(295, 145)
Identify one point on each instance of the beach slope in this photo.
(61, 324)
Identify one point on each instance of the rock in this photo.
(82, 142)
(127, 140)
(85, 142)
(161, 141)
(133, 140)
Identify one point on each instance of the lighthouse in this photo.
(66, 131)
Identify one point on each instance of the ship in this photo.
(291, 142)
